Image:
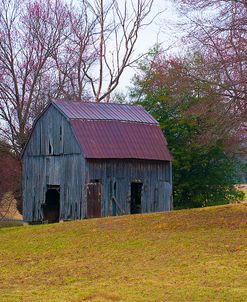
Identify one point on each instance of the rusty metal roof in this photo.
(116, 139)
(104, 111)
(107, 130)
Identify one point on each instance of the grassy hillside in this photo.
(190, 255)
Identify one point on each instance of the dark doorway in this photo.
(94, 200)
(51, 208)
(136, 198)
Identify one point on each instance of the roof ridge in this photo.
(112, 120)
(98, 103)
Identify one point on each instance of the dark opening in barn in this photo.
(136, 198)
(51, 207)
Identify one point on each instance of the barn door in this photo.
(94, 199)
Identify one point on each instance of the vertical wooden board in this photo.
(155, 187)
(105, 191)
(126, 187)
(119, 171)
(151, 187)
(168, 193)
(160, 196)
(108, 169)
(149, 200)
(171, 182)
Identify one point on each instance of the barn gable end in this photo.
(49, 135)
(53, 158)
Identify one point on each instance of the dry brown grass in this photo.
(188, 255)
(8, 207)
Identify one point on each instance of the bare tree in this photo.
(29, 35)
(118, 26)
(49, 49)
(76, 55)
(101, 45)
(217, 29)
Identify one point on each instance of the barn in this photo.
(85, 160)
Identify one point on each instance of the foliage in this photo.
(203, 173)
(189, 255)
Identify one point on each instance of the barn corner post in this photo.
(171, 182)
(23, 190)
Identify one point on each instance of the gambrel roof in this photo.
(113, 131)
(107, 130)
(105, 112)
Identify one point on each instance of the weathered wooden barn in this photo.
(91, 160)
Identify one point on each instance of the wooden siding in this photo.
(53, 157)
(52, 135)
(155, 176)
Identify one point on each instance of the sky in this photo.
(162, 30)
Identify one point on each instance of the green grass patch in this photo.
(187, 255)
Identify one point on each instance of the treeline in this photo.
(202, 138)
(200, 99)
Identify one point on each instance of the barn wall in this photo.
(53, 157)
(52, 135)
(156, 178)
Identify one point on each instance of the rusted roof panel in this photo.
(104, 111)
(116, 139)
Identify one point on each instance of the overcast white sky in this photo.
(162, 30)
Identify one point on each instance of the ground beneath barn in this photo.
(189, 255)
